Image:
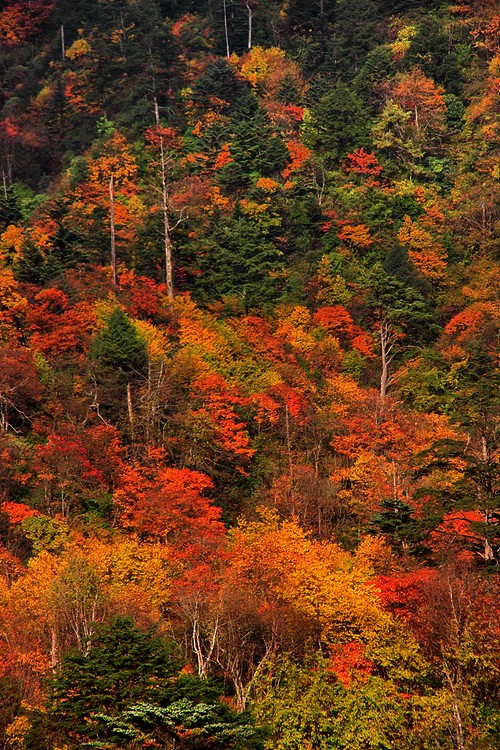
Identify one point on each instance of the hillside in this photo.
(249, 374)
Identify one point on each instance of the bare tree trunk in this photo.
(384, 376)
(63, 45)
(4, 181)
(130, 410)
(166, 228)
(457, 715)
(166, 221)
(53, 647)
(112, 227)
(250, 16)
(228, 54)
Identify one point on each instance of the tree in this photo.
(115, 167)
(120, 354)
(337, 124)
(256, 148)
(401, 312)
(122, 665)
(166, 143)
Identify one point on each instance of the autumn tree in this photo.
(113, 168)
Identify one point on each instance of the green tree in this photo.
(120, 358)
(118, 346)
(338, 123)
(122, 666)
(256, 149)
(240, 260)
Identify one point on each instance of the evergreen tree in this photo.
(118, 347)
(256, 150)
(338, 123)
(120, 357)
(123, 665)
(240, 260)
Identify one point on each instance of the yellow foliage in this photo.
(103, 309)
(318, 581)
(16, 732)
(374, 555)
(11, 241)
(12, 305)
(134, 573)
(79, 48)
(267, 184)
(156, 339)
(255, 65)
(402, 43)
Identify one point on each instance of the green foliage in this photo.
(241, 260)
(256, 148)
(338, 123)
(396, 520)
(118, 347)
(122, 665)
(400, 305)
(308, 707)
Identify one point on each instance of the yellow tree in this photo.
(112, 169)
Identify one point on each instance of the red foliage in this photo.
(364, 163)
(170, 505)
(57, 327)
(347, 661)
(145, 296)
(404, 595)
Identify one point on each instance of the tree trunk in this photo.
(384, 376)
(112, 227)
(130, 410)
(166, 229)
(166, 220)
(228, 54)
(250, 15)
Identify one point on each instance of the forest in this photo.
(249, 374)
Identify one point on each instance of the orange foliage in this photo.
(357, 235)
(17, 512)
(170, 505)
(471, 320)
(223, 157)
(219, 402)
(418, 94)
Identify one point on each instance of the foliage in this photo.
(282, 464)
